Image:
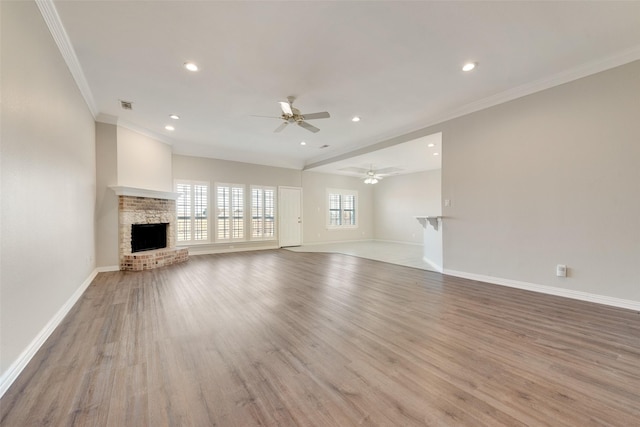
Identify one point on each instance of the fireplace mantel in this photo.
(121, 190)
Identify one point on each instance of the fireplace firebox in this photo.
(146, 237)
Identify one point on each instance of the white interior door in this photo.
(290, 216)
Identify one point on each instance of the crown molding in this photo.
(107, 118)
(52, 19)
(618, 59)
(143, 131)
(115, 120)
(585, 70)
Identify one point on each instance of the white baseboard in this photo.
(398, 242)
(10, 375)
(333, 242)
(108, 269)
(550, 290)
(433, 265)
(214, 250)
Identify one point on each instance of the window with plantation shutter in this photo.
(230, 212)
(192, 211)
(342, 205)
(263, 205)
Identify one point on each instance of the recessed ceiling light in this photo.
(469, 66)
(431, 145)
(190, 66)
(174, 117)
(355, 119)
(169, 127)
(436, 154)
(303, 143)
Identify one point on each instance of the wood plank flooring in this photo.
(277, 338)
(409, 255)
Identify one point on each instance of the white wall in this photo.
(127, 158)
(314, 211)
(550, 178)
(398, 199)
(143, 162)
(48, 183)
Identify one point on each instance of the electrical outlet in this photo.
(561, 270)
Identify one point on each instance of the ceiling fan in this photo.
(290, 114)
(372, 176)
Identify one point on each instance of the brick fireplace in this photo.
(137, 206)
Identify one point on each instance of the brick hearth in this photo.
(147, 210)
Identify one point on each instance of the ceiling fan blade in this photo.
(312, 116)
(282, 126)
(267, 117)
(354, 169)
(388, 170)
(308, 127)
(286, 108)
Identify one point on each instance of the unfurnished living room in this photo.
(320, 213)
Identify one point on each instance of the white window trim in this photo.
(176, 182)
(275, 213)
(244, 211)
(342, 192)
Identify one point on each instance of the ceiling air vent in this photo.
(126, 105)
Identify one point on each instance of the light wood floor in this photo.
(279, 338)
(409, 255)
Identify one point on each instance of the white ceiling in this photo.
(395, 64)
(416, 155)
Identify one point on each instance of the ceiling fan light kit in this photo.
(370, 180)
(293, 115)
(372, 177)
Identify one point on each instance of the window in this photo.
(342, 208)
(191, 210)
(230, 211)
(263, 200)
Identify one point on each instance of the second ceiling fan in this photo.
(290, 114)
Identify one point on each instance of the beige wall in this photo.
(215, 170)
(224, 171)
(48, 183)
(314, 220)
(106, 199)
(550, 178)
(314, 187)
